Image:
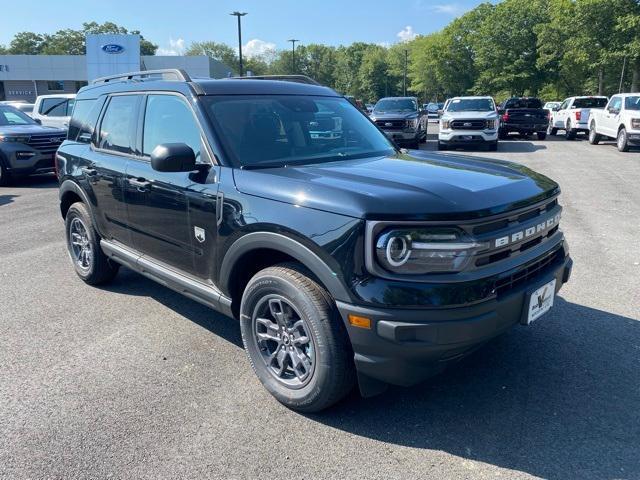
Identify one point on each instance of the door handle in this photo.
(89, 172)
(140, 183)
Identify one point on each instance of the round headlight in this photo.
(398, 251)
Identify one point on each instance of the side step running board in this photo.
(189, 287)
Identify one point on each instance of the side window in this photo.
(168, 119)
(615, 105)
(564, 105)
(55, 107)
(118, 125)
(84, 118)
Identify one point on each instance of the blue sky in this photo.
(173, 25)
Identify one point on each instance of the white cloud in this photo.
(406, 34)
(449, 9)
(257, 47)
(175, 47)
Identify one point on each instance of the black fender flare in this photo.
(71, 186)
(288, 246)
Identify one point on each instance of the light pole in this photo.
(239, 14)
(404, 81)
(293, 53)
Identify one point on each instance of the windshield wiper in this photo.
(260, 166)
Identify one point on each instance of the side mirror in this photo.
(556, 109)
(173, 157)
(440, 112)
(38, 121)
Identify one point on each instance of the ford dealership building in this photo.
(24, 77)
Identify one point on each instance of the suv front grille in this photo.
(391, 124)
(527, 273)
(46, 144)
(468, 124)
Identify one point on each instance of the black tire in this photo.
(541, 135)
(5, 177)
(415, 145)
(442, 146)
(569, 133)
(622, 141)
(502, 134)
(93, 267)
(552, 130)
(493, 147)
(329, 374)
(594, 138)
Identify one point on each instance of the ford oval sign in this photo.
(112, 48)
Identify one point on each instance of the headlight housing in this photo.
(445, 124)
(13, 138)
(491, 124)
(635, 123)
(424, 250)
(412, 122)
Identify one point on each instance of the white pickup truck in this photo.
(54, 110)
(469, 121)
(620, 119)
(573, 115)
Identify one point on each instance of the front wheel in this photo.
(295, 339)
(493, 147)
(622, 141)
(4, 176)
(552, 130)
(594, 138)
(83, 244)
(442, 146)
(541, 135)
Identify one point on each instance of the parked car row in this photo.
(48, 110)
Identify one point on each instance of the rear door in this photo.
(158, 202)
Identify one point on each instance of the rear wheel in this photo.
(622, 141)
(552, 130)
(594, 138)
(295, 339)
(502, 134)
(569, 133)
(541, 135)
(83, 244)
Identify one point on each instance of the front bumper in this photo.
(633, 137)
(464, 137)
(22, 160)
(405, 346)
(403, 136)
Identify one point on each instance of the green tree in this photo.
(373, 73)
(27, 43)
(218, 51)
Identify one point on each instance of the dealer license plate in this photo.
(541, 301)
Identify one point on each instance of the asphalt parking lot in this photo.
(132, 380)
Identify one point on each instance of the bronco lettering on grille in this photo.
(528, 232)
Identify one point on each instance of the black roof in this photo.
(207, 86)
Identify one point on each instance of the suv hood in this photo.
(420, 186)
(454, 115)
(29, 130)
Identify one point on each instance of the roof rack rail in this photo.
(284, 78)
(177, 73)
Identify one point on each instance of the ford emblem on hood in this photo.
(112, 48)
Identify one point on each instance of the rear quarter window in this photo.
(589, 102)
(56, 107)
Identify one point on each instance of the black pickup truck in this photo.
(524, 115)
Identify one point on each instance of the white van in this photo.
(54, 110)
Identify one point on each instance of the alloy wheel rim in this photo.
(284, 342)
(80, 244)
(621, 139)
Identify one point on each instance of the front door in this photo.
(610, 117)
(158, 202)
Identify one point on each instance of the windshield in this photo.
(13, 116)
(470, 105)
(277, 130)
(632, 103)
(396, 105)
(589, 102)
(523, 103)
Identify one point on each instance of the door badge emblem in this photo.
(199, 234)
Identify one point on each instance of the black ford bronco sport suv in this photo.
(343, 258)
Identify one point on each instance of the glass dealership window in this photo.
(55, 86)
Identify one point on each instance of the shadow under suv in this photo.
(343, 258)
